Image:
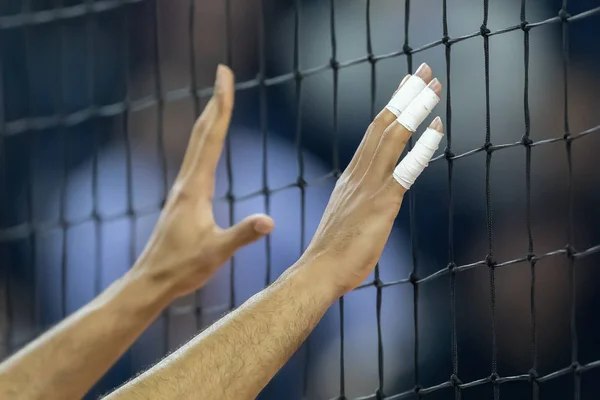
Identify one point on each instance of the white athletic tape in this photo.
(418, 109)
(406, 94)
(409, 169)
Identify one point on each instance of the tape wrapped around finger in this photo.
(409, 169)
(406, 94)
(418, 109)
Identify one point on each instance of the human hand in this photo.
(367, 197)
(187, 246)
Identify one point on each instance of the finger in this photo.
(392, 145)
(248, 231)
(411, 166)
(208, 135)
(403, 97)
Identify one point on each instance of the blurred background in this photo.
(96, 106)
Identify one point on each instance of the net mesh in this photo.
(30, 229)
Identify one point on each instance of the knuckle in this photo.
(182, 193)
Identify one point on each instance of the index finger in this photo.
(209, 131)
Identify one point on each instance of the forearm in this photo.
(237, 356)
(66, 361)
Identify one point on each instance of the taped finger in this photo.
(420, 108)
(406, 94)
(409, 169)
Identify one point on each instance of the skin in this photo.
(238, 355)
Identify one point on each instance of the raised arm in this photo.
(184, 251)
(238, 355)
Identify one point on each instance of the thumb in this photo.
(247, 231)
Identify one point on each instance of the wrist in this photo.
(137, 293)
(312, 277)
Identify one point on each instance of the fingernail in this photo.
(263, 227)
(424, 72)
(437, 124)
(436, 86)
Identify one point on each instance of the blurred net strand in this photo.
(535, 386)
(62, 217)
(196, 99)
(264, 126)
(80, 116)
(192, 55)
(222, 308)
(160, 142)
(174, 310)
(228, 157)
(6, 338)
(447, 270)
(130, 211)
(23, 230)
(90, 32)
(336, 168)
(90, 28)
(29, 186)
(61, 12)
(300, 180)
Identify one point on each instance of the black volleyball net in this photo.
(83, 82)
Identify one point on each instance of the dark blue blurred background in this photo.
(91, 67)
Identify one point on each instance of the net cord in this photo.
(535, 388)
(41, 123)
(564, 15)
(450, 162)
(488, 197)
